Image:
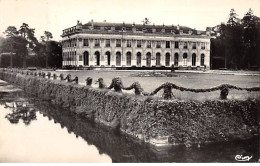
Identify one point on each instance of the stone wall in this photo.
(160, 122)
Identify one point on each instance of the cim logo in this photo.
(242, 158)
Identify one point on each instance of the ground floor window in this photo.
(148, 59)
(118, 59)
(128, 58)
(176, 59)
(86, 58)
(193, 60)
(158, 59)
(97, 57)
(107, 58)
(138, 59)
(167, 59)
(185, 55)
(202, 57)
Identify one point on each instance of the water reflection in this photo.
(122, 148)
(21, 110)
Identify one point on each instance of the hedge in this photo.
(148, 118)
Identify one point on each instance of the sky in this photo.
(56, 15)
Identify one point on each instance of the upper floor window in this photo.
(107, 42)
(85, 42)
(185, 45)
(128, 43)
(158, 44)
(168, 44)
(203, 46)
(118, 43)
(176, 45)
(97, 43)
(139, 44)
(194, 45)
(149, 44)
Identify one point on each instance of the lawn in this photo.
(150, 80)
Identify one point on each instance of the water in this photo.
(45, 133)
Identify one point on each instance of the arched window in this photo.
(176, 59)
(148, 59)
(128, 58)
(193, 59)
(118, 58)
(167, 59)
(97, 57)
(185, 55)
(138, 59)
(158, 59)
(107, 58)
(202, 57)
(86, 58)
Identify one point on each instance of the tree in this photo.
(239, 41)
(233, 41)
(251, 39)
(11, 31)
(24, 30)
(48, 35)
(146, 21)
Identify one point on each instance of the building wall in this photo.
(77, 50)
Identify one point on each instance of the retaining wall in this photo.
(160, 122)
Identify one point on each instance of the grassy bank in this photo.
(149, 118)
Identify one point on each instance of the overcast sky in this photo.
(56, 15)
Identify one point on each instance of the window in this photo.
(80, 58)
(97, 43)
(158, 44)
(107, 43)
(193, 61)
(85, 42)
(185, 56)
(203, 46)
(176, 59)
(168, 45)
(148, 44)
(139, 44)
(176, 45)
(194, 45)
(128, 43)
(202, 57)
(118, 43)
(185, 45)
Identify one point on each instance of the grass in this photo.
(151, 80)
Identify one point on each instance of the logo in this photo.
(242, 158)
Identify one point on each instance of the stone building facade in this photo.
(103, 44)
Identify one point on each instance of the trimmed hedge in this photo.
(146, 117)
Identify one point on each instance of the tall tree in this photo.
(251, 39)
(233, 35)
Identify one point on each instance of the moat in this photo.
(42, 132)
